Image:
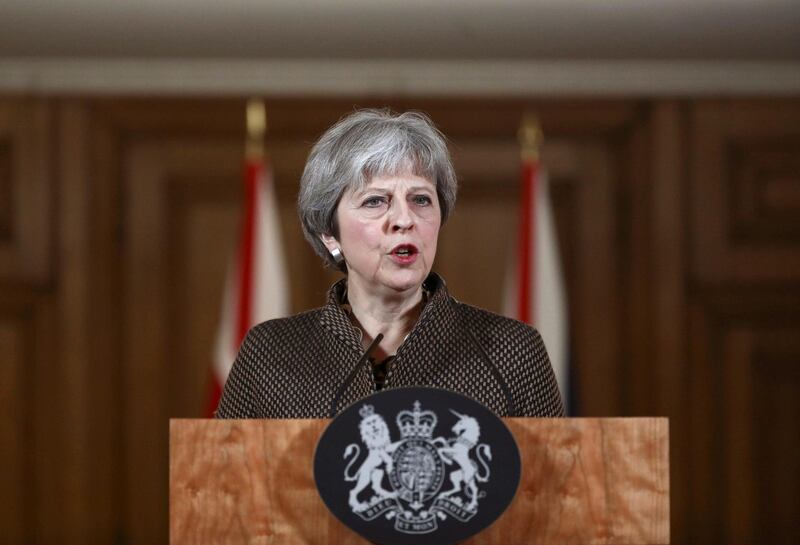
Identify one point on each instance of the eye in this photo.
(422, 200)
(373, 202)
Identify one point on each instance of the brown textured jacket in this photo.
(292, 367)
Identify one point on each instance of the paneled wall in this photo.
(679, 222)
(744, 319)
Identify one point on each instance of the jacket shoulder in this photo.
(492, 325)
(267, 356)
(519, 352)
(277, 326)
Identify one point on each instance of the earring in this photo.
(337, 256)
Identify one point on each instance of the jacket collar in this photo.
(334, 317)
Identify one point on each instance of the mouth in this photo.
(404, 250)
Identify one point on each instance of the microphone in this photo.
(511, 406)
(338, 397)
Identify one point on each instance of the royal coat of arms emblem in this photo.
(429, 477)
(417, 466)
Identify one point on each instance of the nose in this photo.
(401, 218)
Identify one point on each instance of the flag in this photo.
(256, 286)
(535, 286)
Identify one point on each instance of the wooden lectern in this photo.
(584, 481)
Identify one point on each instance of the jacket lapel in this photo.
(335, 320)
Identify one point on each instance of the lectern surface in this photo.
(584, 481)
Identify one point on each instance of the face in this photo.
(388, 232)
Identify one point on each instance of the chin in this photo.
(405, 282)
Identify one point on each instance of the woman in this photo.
(375, 191)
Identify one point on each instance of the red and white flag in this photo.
(256, 288)
(535, 286)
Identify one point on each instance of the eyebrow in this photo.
(363, 192)
(384, 191)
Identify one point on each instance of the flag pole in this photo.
(530, 137)
(256, 117)
(256, 287)
(541, 299)
(254, 164)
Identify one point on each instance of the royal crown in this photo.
(366, 410)
(417, 424)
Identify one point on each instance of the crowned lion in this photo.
(375, 435)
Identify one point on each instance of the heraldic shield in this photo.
(417, 465)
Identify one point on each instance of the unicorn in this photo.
(457, 449)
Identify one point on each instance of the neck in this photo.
(393, 314)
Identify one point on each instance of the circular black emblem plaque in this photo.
(417, 465)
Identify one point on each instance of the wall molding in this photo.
(397, 77)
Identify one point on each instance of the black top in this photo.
(379, 370)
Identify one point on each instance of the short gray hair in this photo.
(360, 146)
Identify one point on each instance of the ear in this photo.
(330, 242)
